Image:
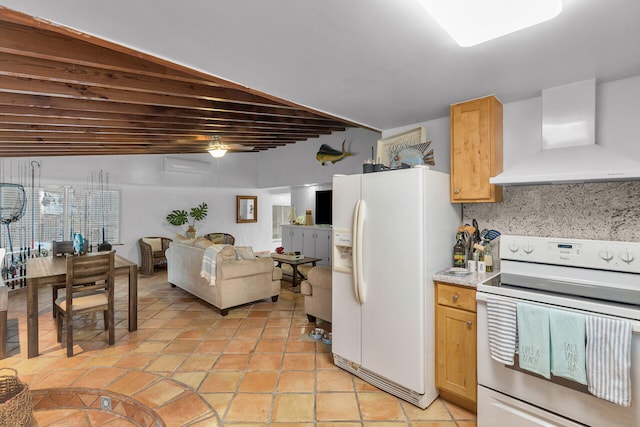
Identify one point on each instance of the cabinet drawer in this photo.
(457, 296)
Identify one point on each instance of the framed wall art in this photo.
(410, 147)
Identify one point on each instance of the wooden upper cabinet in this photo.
(476, 150)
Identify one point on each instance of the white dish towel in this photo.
(502, 328)
(208, 266)
(608, 357)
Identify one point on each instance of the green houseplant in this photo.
(181, 217)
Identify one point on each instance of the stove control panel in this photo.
(600, 254)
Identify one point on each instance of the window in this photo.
(56, 213)
(280, 215)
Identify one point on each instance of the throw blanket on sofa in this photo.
(208, 268)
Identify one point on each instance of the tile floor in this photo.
(191, 366)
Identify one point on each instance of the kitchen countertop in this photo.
(471, 279)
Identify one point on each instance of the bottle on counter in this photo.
(488, 256)
(459, 252)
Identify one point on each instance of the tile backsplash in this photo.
(602, 211)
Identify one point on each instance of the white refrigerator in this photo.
(391, 231)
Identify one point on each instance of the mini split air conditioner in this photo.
(195, 167)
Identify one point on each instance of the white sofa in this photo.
(238, 281)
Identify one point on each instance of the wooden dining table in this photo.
(53, 269)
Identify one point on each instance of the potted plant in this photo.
(181, 217)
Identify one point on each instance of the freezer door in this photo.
(346, 323)
(393, 316)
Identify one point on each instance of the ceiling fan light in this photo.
(217, 152)
(471, 22)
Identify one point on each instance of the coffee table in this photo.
(294, 263)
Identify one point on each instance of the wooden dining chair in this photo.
(59, 248)
(89, 288)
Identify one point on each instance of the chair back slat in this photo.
(88, 273)
(90, 288)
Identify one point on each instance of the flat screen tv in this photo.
(323, 207)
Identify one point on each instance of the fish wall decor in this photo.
(327, 154)
(411, 155)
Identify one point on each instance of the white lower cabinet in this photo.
(310, 241)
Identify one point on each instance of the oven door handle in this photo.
(481, 296)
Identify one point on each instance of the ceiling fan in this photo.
(218, 149)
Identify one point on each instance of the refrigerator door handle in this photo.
(362, 214)
(354, 249)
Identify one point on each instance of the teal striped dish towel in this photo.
(608, 358)
(533, 339)
(568, 340)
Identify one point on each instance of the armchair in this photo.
(152, 253)
(317, 293)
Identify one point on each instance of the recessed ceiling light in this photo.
(471, 22)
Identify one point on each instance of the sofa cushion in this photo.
(202, 243)
(155, 243)
(245, 252)
(228, 253)
(183, 240)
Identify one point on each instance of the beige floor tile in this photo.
(459, 413)
(265, 362)
(259, 382)
(379, 406)
(337, 407)
(242, 346)
(334, 380)
(211, 346)
(296, 381)
(298, 361)
(184, 410)
(166, 363)
(293, 407)
(275, 333)
(435, 412)
(248, 332)
(231, 362)
(221, 381)
(150, 347)
(181, 346)
(271, 345)
(249, 407)
(192, 379)
(218, 401)
(133, 382)
(159, 393)
(134, 361)
(198, 362)
(298, 346)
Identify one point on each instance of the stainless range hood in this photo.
(569, 153)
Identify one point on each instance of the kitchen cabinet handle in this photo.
(469, 323)
(456, 190)
(455, 297)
